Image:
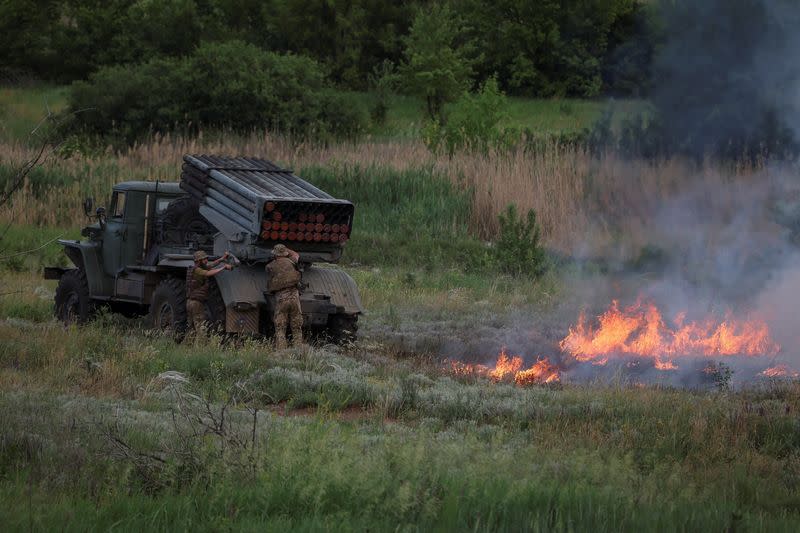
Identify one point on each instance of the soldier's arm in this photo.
(212, 272)
(215, 271)
(294, 256)
(218, 260)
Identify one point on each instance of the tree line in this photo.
(580, 48)
(718, 73)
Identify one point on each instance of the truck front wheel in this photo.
(72, 302)
(168, 306)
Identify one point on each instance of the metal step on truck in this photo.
(134, 256)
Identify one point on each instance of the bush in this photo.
(519, 249)
(473, 123)
(342, 116)
(382, 80)
(229, 85)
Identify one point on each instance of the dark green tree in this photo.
(438, 58)
(26, 37)
(549, 47)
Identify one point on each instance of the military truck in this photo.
(134, 256)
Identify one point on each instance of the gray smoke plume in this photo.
(727, 78)
(728, 84)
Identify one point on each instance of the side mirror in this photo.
(101, 214)
(88, 203)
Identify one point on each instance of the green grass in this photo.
(26, 248)
(368, 437)
(571, 459)
(406, 218)
(21, 109)
(406, 115)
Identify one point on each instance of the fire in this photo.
(541, 372)
(641, 331)
(780, 371)
(511, 367)
(505, 366)
(641, 336)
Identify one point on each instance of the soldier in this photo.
(283, 279)
(197, 286)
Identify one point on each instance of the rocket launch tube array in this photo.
(270, 203)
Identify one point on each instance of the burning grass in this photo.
(509, 369)
(641, 330)
(637, 338)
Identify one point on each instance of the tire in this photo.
(181, 222)
(168, 306)
(73, 305)
(215, 309)
(342, 329)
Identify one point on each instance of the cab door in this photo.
(123, 241)
(114, 234)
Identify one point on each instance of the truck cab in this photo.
(130, 223)
(121, 239)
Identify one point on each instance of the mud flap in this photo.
(341, 288)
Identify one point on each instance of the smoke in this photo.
(727, 83)
(724, 242)
(727, 78)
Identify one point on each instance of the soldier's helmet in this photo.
(280, 251)
(200, 255)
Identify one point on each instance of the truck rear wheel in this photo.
(168, 306)
(73, 304)
(215, 309)
(342, 329)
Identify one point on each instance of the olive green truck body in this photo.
(134, 258)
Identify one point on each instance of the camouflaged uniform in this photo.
(283, 279)
(196, 296)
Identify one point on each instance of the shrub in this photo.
(518, 249)
(383, 79)
(342, 116)
(473, 123)
(229, 85)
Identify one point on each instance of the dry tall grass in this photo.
(584, 203)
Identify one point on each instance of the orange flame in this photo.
(640, 330)
(505, 366)
(508, 367)
(541, 372)
(780, 371)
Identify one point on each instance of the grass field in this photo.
(22, 108)
(98, 433)
(112, 426)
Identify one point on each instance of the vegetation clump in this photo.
(518, 249)
(473, 124)
(231, 86)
